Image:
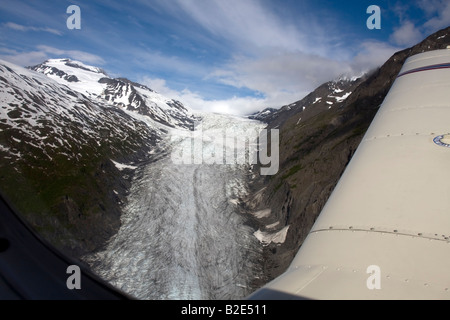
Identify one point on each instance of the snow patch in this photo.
(262, 213)
(273, 225)
(266, 237)
(122, 166)
(317, 100)
(8, 150)
(345, 96)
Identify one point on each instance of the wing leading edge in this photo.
(385, 230)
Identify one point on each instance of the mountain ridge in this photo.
(331, 94)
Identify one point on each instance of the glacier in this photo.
(185, 232)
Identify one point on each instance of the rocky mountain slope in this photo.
(68, 148)
(330, 95)
(316, 144)
(122, 93)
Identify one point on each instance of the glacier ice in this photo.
(184, 233)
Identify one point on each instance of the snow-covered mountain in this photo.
(67, 152)
(53, 120)
(138, 100)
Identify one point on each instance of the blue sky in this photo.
(230, 56)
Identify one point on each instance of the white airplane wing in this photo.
(385, 231)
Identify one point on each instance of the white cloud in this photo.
(154, 61)
(24, 59)
(437, 13)
(249, 26)
(406, 35)
(286, 77)
(280, 78)
(371, 54)
(18, 27)
(441, 12)
(234, 105)
(245, 22)
(45, 52)
(74, 54)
